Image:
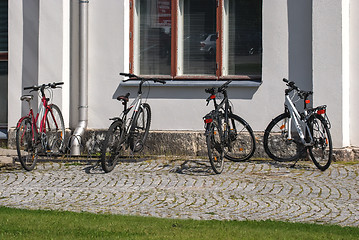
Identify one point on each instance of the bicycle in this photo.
(227, 134)
(292, 133)
(123, 132)
(43, 134)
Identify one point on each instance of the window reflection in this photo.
(199, 53)
(245, 37)
(155, 37)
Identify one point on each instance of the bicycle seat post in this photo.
(124, 103)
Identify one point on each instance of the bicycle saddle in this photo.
(123, 97)
(27, 98)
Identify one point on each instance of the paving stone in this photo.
(187, 188)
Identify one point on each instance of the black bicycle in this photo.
(227, 135)
(123, 132)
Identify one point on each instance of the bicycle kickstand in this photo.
(295, 163)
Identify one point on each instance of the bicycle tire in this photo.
(27, 150)
(275, 141)
(112, 146)
(140, 127)
(215, 147)
(55, 130)
(322, 150)
(241, 140)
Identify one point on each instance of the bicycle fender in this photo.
(115, 119)
(20, 121)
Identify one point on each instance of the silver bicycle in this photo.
(293, 133)
(127, 132)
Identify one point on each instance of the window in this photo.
(196, 39)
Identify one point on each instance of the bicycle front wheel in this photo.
(140, 127)
(322, 149)
(215, 147)
(55, 130)
(241, 141)
(276, 143)
(111, 147)
(27, 150)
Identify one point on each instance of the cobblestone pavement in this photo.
(177, 188)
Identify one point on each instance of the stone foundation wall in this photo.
(189, 143)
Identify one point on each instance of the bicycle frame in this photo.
(224, 105)
(135, 105)
(42, 127)
(299, 123)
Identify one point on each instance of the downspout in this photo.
(83, 81)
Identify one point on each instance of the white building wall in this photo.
(330, 65)
(37, 50)
(354, 73)
(54, 50)
(108, 56)
(15, 62)
(182, 108)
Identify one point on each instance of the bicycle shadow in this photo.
(194, 167)
(301, 164)
(96, 168)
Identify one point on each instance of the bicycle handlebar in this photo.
(130, 75)
(213, 91)
(43, 86)
(219, 89)
(291, 86)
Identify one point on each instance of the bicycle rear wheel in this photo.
(55, 130)
(112, 146)
(322, 149)
(140, 128)
(241, 142)
(27, 150)
(215, 147)
(276, 143)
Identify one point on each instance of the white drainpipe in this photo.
(83, 86)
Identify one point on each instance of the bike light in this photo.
(208, 120)
(307, 101)
(321, 111)
(212, 96)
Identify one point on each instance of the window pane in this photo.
(199, 43)
(155, 37)
(245, 37)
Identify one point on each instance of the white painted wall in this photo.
(15, 62)
(108, 56)
(36, 58)
(330, 70)
(53, 49)
(182, 108)
(354, 73)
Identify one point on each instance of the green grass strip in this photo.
(37, 224)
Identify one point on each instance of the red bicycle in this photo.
(43, 134)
